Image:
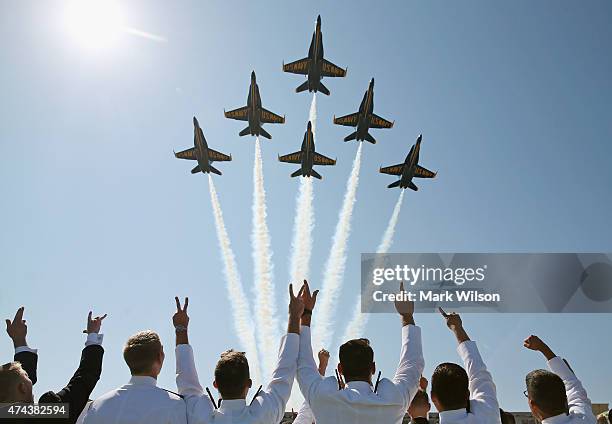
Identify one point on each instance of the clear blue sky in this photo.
(513, 100)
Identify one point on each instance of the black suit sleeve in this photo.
(29, 363)
(82, 383)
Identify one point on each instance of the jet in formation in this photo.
(364, 119)
(202, 153)
(254, 113)
(307, 157)
(315, 67)
(409, 169)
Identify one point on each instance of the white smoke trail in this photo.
(334, 268)
(301, 245)
(241, 311)
(265, 317)
(356, 326)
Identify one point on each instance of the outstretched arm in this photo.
(307, 372)
(411, 362)
(79, 388)
(18, 331)
(577, 399)
(482, 388)
(274, 399)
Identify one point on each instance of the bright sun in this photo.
(94, 23)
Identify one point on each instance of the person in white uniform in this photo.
(556, 396)
(358, 403)
(304, 415)
(232, 378)
(464, 395)
(139, 401)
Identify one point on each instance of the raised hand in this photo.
(323, 361)
(310, 300)
(535, 343)
(180, 317)
(93, 325)
(405, 306)
(17, 329)
(423, 384)
(296, 309)
(454, 323)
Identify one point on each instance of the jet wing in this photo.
(297, 67)
(423, 172)
(348, 120)
(218, 156)
(271, 118)
(319, 159)
(378, 122)
(240, 114)
(392, 170)
(186, 154)
(295, 157)
(328, 69)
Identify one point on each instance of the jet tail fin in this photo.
(196, 169)
(215, 170)
(315, 174)
(371, 139)
(350, 137)
(395, 184)
(302, 87)
(323, 89)
(412, 186)
(297, 173)
(245, 131)
(265, 133)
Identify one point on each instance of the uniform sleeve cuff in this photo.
(25, 349)
(94, 339)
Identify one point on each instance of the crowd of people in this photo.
(461, 394)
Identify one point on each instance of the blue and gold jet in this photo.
(364, 119)
(315, 67)
(307, 157)
(202, 153)
(254, 113)
(409, 169)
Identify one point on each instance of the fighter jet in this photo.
(307, 157)
(202, 153)
(254, 113)
(364, 119)
(409, 169)
(314, 66)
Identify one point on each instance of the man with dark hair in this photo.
(420, 406)
(556, 396)
(464, 396)
(140, 400)
(360, 402)
(232, 378)
(17, 378)
(506, 417)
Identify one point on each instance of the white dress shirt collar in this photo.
(453, 415)
(360, 386)
(143, 380)
(557, 419)
(232, 405)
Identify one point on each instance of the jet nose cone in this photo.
(419, 138)
(195, 121)
(319, 20)
(309, 125)
(372, 81)
(253, 75)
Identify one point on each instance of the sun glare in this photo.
(94, 23)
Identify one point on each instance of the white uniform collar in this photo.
(232, 405)
(556, 419)
(453, 415)
(360, 386)
(142, 380)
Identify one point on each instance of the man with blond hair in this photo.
(139, 401)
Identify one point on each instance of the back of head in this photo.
(232, 375)
(506, 417)
(11, 376)
(547, 391)
(142, 352)
(357, 359)
(450, 387)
